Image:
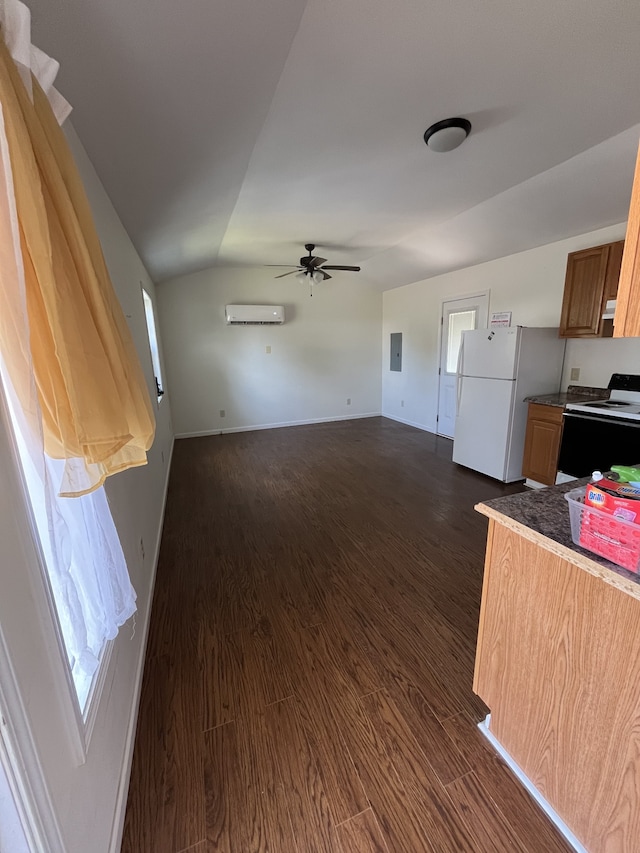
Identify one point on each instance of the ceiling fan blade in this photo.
(337, 267)
(289, 266)
(291, 272)
(315, 262)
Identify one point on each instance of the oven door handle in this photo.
(604, 419)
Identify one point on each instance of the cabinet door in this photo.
(613, 270)
(542, 444)
(627, 320)
(584, 289)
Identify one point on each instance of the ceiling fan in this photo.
(312, 268)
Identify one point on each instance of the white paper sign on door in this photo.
(500, 318)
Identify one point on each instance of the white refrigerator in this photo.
(497, 369)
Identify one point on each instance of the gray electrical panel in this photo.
(396, 351)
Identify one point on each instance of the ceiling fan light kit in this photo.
(307, 277)
(311, 269)
(447, 134)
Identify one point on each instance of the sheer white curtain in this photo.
(15, 21)
(86, 567)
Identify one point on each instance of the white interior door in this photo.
(457, 316)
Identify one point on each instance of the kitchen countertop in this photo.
(542, 517)
(573, 394)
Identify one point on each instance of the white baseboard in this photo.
(564, 478)
(546, 807)
(410, 423)
(123, 786)
(255, 427)
(534, 484)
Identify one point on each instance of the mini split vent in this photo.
(254, 315)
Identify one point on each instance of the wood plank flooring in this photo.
(308, 677)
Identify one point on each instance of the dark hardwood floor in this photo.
(308, 676)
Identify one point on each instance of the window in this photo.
(82, 559)
(65, 358)
(153, 342)
(459, 322)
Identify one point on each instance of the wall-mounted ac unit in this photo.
(254, 315)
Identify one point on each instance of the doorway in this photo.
(456, 317)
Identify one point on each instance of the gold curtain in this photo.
(96, 411)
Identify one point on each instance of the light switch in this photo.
(575, 373)
(267, 350)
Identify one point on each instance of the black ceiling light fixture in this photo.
(447, 134)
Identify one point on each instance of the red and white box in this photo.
(618, 499)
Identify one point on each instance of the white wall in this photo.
(529, 284)
(328, 350)
(87, 799)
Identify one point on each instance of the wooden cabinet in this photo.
(558, 664)
(612, 279)
(542, 443)
(627, 320)
(591, 279)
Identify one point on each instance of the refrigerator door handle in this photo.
(461, 355)
(459, 374)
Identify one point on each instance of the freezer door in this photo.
(483, 425)
(490, 353)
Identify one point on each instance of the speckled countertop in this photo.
(573, 394)
(542, 516)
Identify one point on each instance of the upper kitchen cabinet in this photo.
(627, 320)
(591, 279)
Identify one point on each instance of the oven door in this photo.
(590, 443)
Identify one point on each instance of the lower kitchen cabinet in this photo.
(558, 665)
(542, 443)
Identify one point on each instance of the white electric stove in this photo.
(623, 402)
(600, 433)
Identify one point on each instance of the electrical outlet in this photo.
(223, 414)
(575, 373)
(348, 401)
(267, 350)
(142, 547)
(402, 403)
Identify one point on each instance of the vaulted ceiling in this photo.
(232, 132)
